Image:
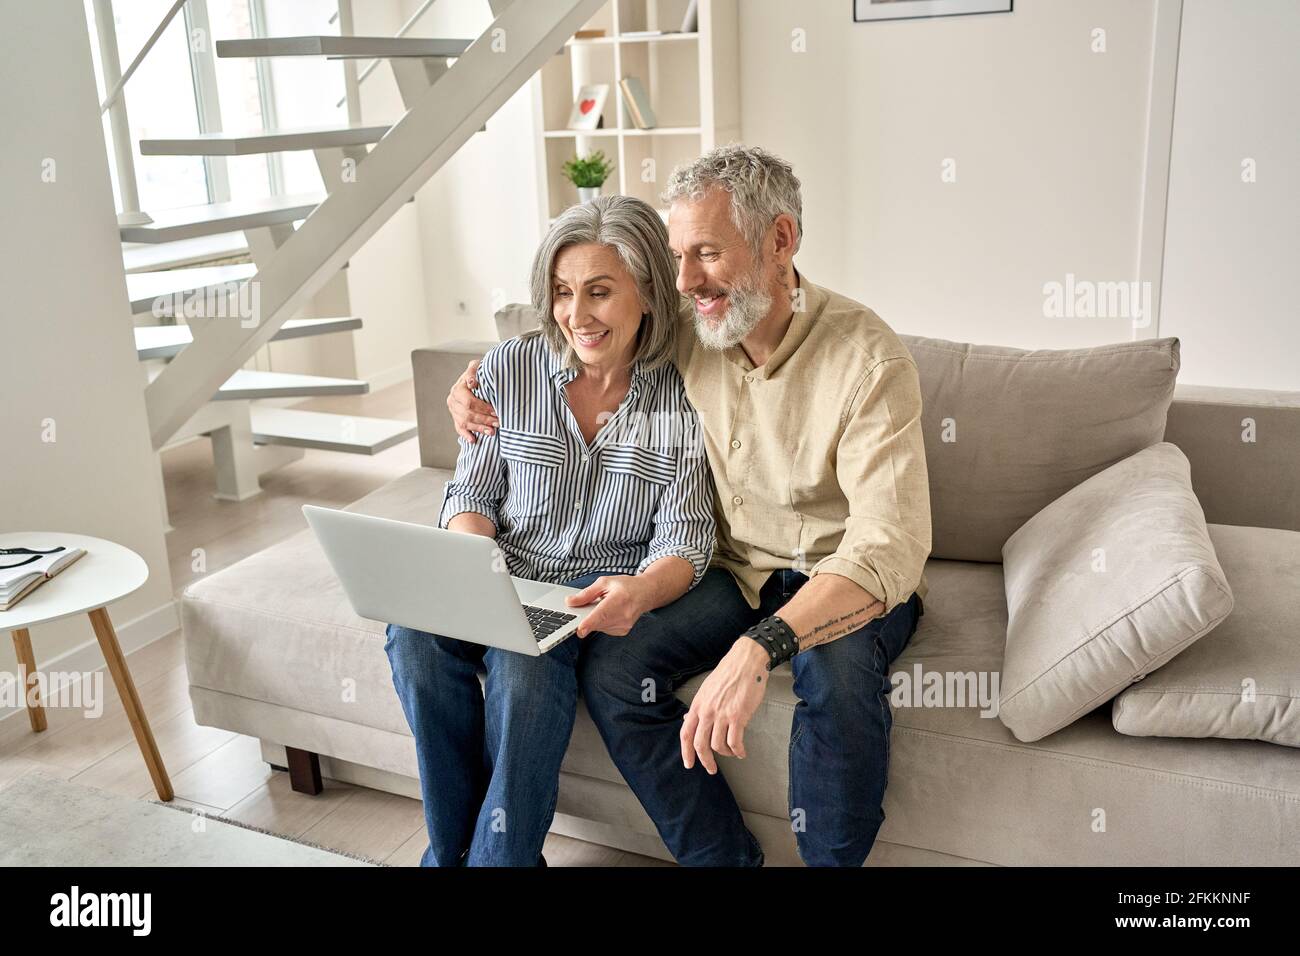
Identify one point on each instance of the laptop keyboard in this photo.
(545, 622)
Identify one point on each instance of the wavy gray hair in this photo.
(634, 230)
(762, 187)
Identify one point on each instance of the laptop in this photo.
(441, 582)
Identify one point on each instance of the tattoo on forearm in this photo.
(837, 628)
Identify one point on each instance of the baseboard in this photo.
(87, 657)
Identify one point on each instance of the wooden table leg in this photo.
(27, 665)
(130, 701)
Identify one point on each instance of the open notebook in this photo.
(21, 574)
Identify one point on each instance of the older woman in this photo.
(595, 478)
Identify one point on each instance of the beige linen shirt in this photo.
(817, 456)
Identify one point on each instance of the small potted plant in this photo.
(588, 173)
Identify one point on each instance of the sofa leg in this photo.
(304, 770)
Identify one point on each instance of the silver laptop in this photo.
(442, 582)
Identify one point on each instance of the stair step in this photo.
(165, 341)
(251, 383)
(263, 141)
(153, 256)
(343, 47)
(349, 433)
(145, 287)
(210, 218)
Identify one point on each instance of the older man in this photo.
(811, 409)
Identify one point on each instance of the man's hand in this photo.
(470, 414)
(725, 705)
(623, 599)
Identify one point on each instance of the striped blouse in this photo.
(640, 491)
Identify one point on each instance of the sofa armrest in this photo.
(1252, 483)
(435, 370)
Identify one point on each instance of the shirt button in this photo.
(585, 459)
(737, 500)
(749, 378)
(735, 443)
(577, 505)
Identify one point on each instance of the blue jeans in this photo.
(839, 740)
(489, 757)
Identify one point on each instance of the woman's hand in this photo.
(470, 413)
(623, 599)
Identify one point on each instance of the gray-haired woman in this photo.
(594, 478)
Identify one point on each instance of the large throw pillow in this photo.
(1009, 431)
(1242, 680)
(1103, 586)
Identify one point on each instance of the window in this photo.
(157, 104)
(183, 88)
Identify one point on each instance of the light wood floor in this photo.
(215, 770)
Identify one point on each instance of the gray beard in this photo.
(747, 305)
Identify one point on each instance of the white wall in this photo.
(443, 264)
(1047, 137)
(68, 353)
(478, 215)
(1232, 248)
(385, 279)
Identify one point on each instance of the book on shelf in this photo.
(589, 34)
(21, 574)
(637, 103)
(640, 34)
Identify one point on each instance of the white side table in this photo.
(106, 573)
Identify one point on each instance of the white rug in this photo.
(46, 821)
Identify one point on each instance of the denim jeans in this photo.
(489, 757)
(839, 740)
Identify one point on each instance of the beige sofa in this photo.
(274, 651)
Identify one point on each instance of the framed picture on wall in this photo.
(911, 9)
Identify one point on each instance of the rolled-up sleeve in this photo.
(683, 522)
(880, 467)
(479, 483)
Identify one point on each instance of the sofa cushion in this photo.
(962, 784)
(1009, 431)
(1103, 586)
(277, 627)
(515, 318)
(1242, 680)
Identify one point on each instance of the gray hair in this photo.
(634, 230)
(762, 187)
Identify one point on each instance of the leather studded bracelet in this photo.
(777, 638)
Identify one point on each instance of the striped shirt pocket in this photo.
(534, 461)
(644, 463)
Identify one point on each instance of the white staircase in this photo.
(146, 288)
(298, 428)
(344, 48)
(166, 341)
(189, 222)
(266, 141)
(196, 382)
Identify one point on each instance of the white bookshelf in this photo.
(692, 80)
